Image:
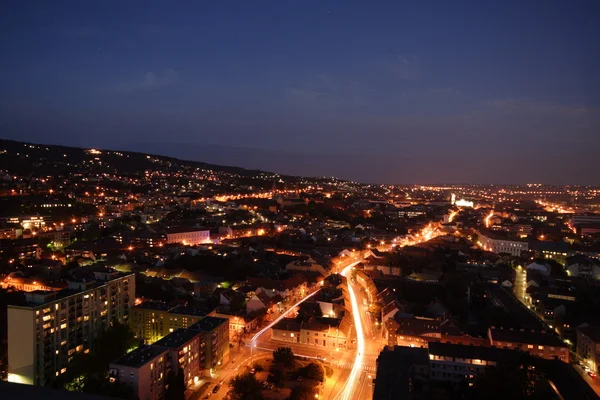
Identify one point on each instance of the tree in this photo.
(302, 392)
(284, 356)
(306, 311)
(313, 371)
(88, 372)
(176, 386)
(276, 376)
(245, 387)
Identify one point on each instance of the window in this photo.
(530, 346)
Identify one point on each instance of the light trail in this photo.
(346, 394)
(487, 219)
(282, 316)
(452, 215)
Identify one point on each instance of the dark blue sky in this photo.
(388, 91)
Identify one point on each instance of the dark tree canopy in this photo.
(245, 387)
(284, 356)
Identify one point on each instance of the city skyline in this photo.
(393, 94)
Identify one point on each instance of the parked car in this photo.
(216, 388)
(592, 374)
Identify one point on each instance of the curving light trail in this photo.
(488, 218)
(452, 215)
(282, 316)
(346, 394)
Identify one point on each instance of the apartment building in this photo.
(144, 370)
(215, 334)
(238, 322)
(538, 344)
(188, 236)
(456, 363)
(320, 332)
(153, 320)
(588, 346)
(47, 330)
(184, 353)
(497, 244)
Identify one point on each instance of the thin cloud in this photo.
(150, 80)
(324, 88)
(405, 67)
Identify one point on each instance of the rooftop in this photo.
(185, 310)
(140, 356)
(287, 324)
(394, 371)
(184, 229)
(207, 324)
(155, 305)
(471, 352)
(526, 336)
(177, 339)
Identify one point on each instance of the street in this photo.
(353, 370)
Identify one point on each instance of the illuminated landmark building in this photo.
(52, 327)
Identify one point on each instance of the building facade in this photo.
(588, 346)
(153, 320)
(215, 334)
(512, 247)
(456, 363)
(144, 370)
(538, 344)
(188, 237)
(184, 353)
(45, 334)
(327, 333)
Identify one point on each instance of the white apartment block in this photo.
(512, 247)
(45, 333)
(144, 370)
(188, 237)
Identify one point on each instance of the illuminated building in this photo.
(17, 282)
(52, 327)
(498, 245)
(188, 236)
(464, 203)
(588, 346)
(215, 334)
(153, 320)
(23, 248)
(319, 332)
(184, 348)
(539, 344)
(237, 323)
(29, 222)
(144, 370)
(458, 363)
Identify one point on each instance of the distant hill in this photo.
(30, 158)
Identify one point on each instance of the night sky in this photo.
(382, 91)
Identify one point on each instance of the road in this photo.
(358, 384)
(593, 383)
(353, 369)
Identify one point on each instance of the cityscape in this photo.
(299, 200)
(131, 275)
